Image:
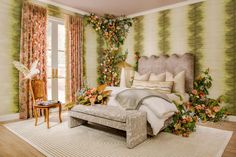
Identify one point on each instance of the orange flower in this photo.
(216, 108)
(201, 94)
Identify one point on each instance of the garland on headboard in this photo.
(230, 52)
(164, 24)
(195, 28)
(113, 31)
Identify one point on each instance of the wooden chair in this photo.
(38, 94)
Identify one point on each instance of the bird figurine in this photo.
(28, 73)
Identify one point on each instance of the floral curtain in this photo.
(74, 58)
(33, 46)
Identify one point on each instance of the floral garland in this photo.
(114, 31)
(109, 71)
(200, 108)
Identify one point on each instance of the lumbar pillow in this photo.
(140, 77)
(157, 77)
(163, 87)
(179, 81)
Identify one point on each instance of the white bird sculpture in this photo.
(28, 73)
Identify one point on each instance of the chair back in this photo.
(38, 90)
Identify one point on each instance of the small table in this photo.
(46, 112)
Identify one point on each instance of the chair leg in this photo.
(60, 113)
(36, 116)
(47, 117)
(44, 113)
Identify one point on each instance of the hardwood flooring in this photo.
(13, 146)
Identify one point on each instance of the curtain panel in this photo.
(33, 47)
(74, 56)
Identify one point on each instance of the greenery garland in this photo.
(138, 37)
(15, 14)
(164, 24)
(195, 40)
(230, 51)
(112, 32)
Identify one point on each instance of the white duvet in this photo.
(158, 110)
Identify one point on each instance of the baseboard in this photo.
(9, 117)
(231, 118)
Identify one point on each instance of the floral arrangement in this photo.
(199, 108)
(207, 109)
(109, 72)
(183, 122)
(91, 96)
(113, 30)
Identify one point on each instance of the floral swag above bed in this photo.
(113, 30)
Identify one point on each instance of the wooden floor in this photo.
(13, 146)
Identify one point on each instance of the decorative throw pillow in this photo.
(179, 81)
(157, 77)
(163, 86)
(139, 77)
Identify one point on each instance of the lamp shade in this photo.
(123, 64)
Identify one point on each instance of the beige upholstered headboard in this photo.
(174, 64)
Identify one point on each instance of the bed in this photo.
(150, 108)
(161, 64)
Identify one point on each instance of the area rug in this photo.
(92, 141)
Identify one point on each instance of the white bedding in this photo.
(158, 110)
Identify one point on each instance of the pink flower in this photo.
(194, 92)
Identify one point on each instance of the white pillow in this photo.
(179, 81)
(158, 77)
(161, 107)
(139, 77)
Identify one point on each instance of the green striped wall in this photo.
(230, 53)
(204, 29)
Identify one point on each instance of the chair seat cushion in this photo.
(104, 111)
(48, 102)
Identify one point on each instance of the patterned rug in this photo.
(97, 141)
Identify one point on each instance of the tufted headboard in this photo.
(174, 64)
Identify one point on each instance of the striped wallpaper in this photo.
(205, 29)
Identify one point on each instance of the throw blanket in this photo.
(131, 99)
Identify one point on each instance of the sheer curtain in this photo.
(33, 47)
(74, 58)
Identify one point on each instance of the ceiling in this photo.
(116, 7)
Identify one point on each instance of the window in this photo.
(56, 69)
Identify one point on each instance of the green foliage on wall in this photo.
(164, 24)
(15, 15)
(138, 36)
(100, 46)
(54, 11)
(230, 52)
(195, 28)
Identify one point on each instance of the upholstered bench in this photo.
(132, 121)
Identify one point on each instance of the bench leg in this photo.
(136, 129)
(73, 122)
